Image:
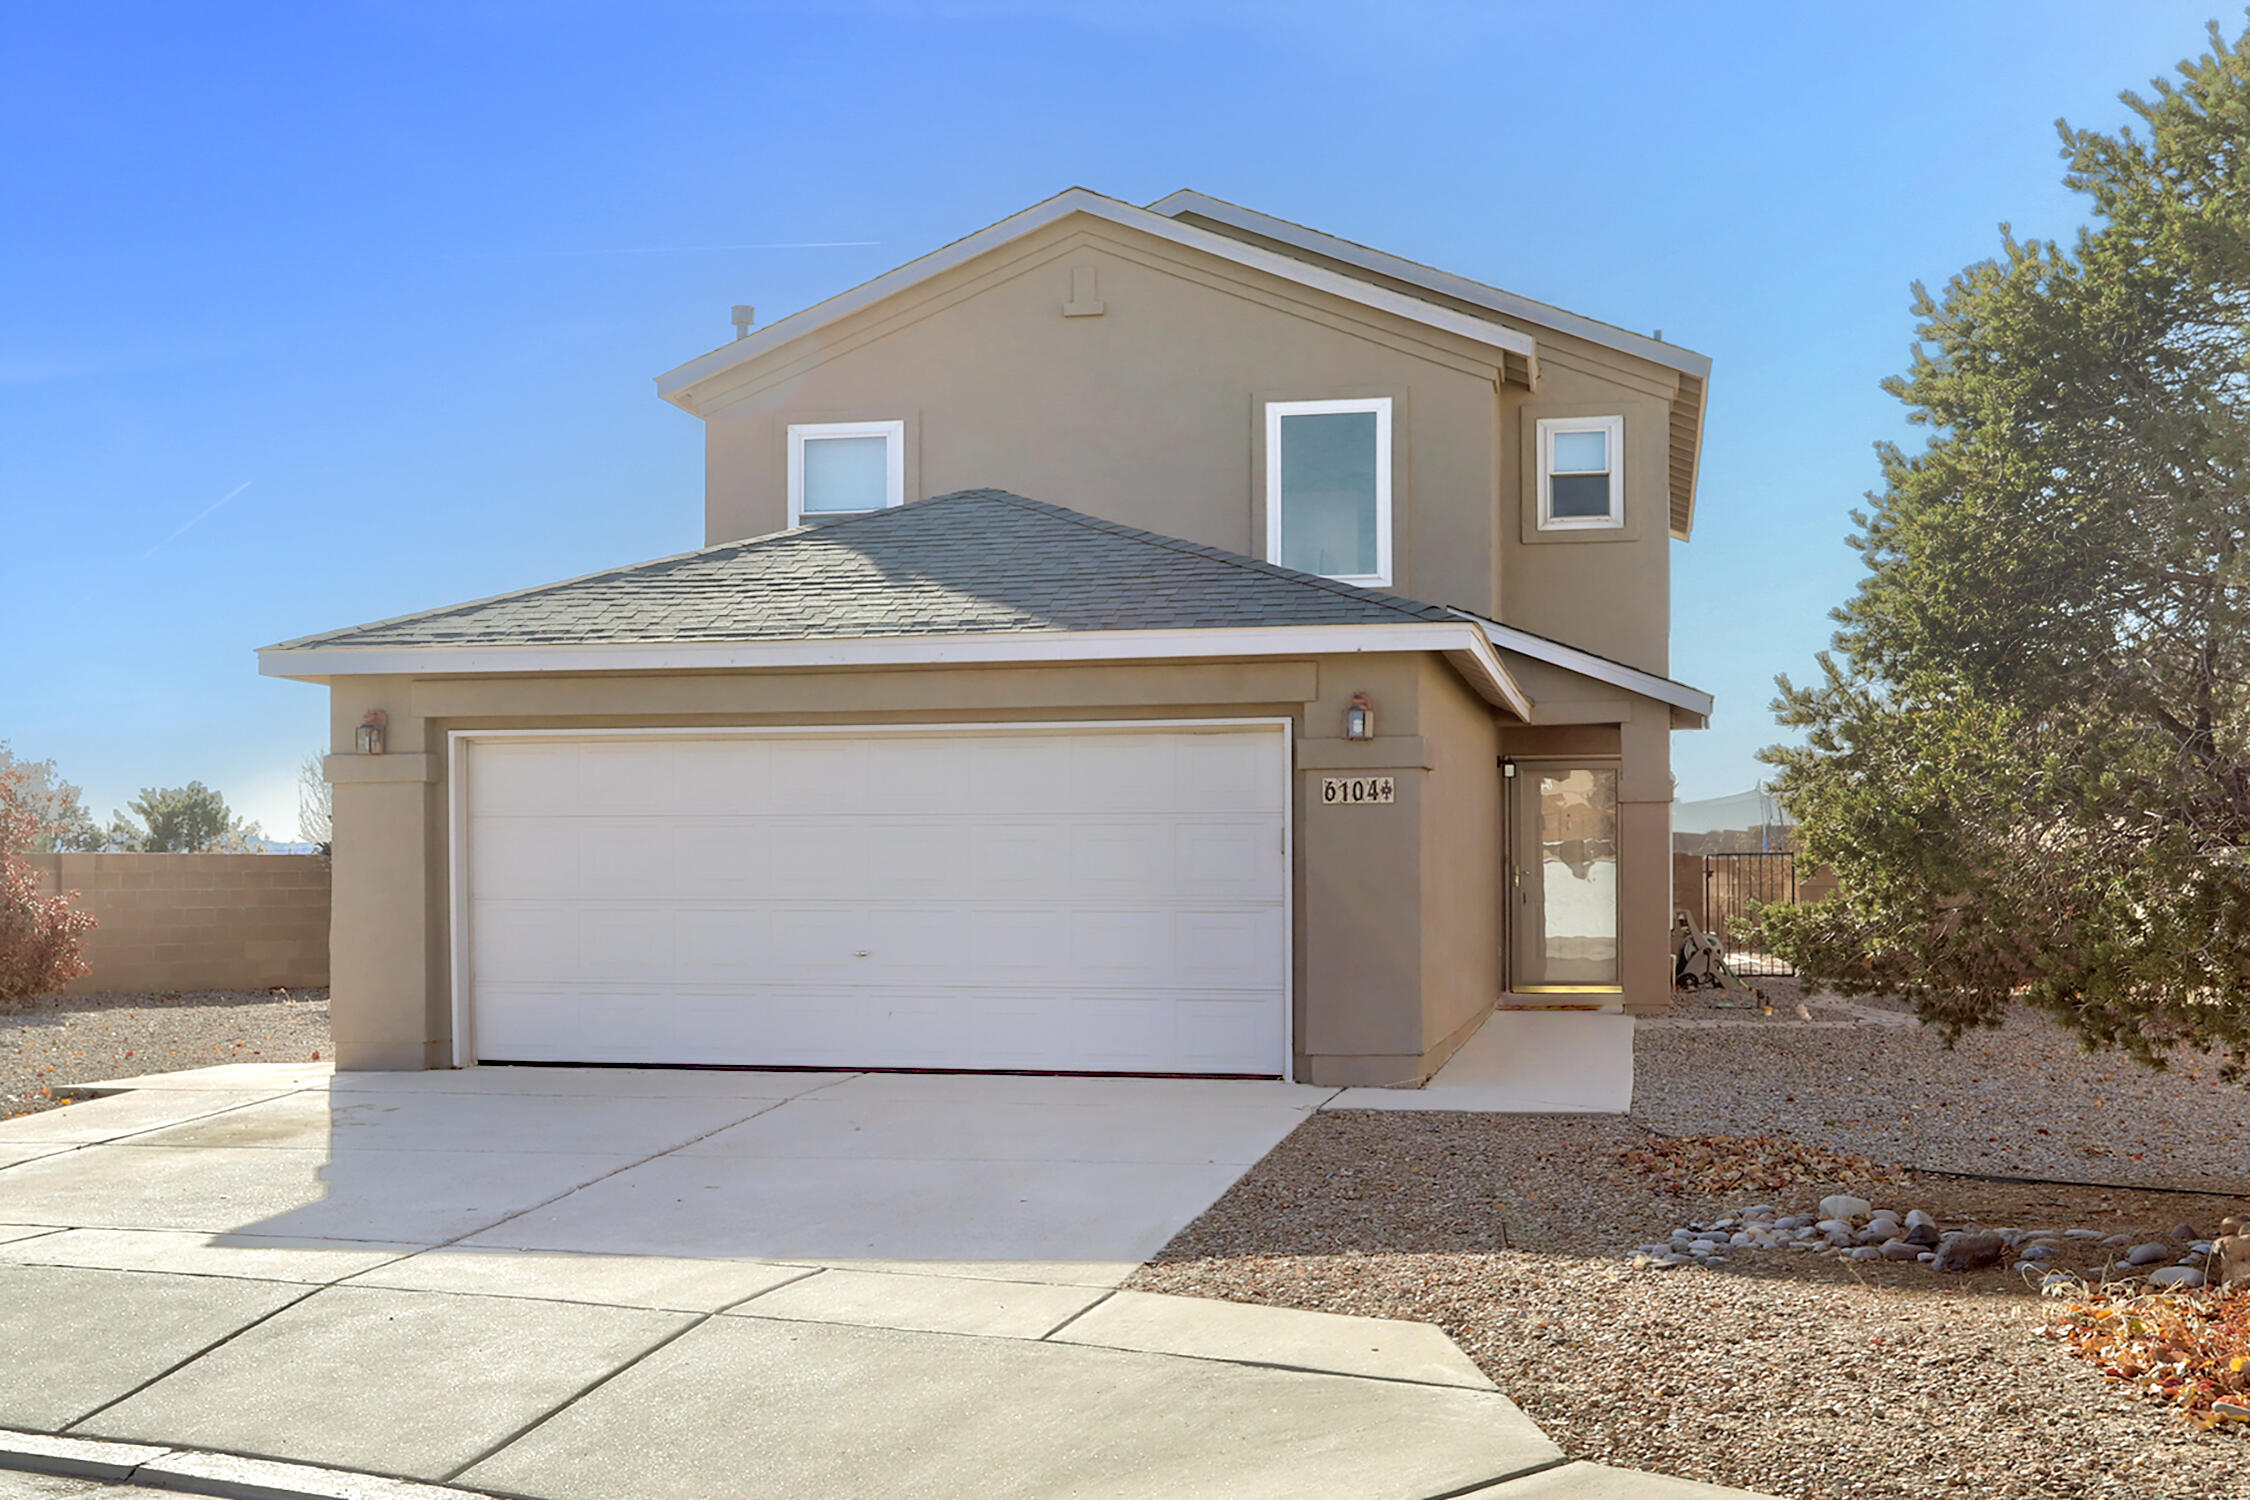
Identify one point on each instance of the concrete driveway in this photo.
(575, 1282)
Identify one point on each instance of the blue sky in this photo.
(288, 290)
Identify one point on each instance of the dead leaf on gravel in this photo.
(1716, 1165)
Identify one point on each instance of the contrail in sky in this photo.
(199, 515)
(687, 249)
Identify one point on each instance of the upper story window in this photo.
(845, 468)
(1581, 473)
(1328, 488)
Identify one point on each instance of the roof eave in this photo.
(680, 385)
(1463, 643)
(1383, 263)
(1677, 695)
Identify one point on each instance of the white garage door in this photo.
(1110, 900)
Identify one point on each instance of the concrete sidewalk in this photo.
(580, 1283)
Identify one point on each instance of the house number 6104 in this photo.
(1337, 791)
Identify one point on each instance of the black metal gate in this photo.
(1733, 885)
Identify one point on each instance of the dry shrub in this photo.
(42, 938)
(2189, 1349)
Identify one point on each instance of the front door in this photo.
(1562, 876)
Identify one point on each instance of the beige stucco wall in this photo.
(196, 921)
(1396, 908)
(1395, 949)
(1152, 414)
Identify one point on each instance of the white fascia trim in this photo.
(1607, 335)
(1484, 667)
(1601, 669)
(673, 384)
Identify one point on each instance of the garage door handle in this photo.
(862, 952)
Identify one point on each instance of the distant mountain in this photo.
(1751, 809)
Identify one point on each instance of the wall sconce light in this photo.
(369, 739)
(1359, 719)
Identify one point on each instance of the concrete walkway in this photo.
(1525, 1062)
(579, 1283)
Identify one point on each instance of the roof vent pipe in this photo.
(744, 316)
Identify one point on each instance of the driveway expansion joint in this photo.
(178, 1365)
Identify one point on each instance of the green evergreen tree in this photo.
(2028, 756)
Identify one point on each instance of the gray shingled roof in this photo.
(972, 563)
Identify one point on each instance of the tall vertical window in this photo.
(1581, 473)
(845, 468)
(1328, 488)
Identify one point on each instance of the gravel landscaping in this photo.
(1798, 1374)
(2020, 1101)
(54, 1040)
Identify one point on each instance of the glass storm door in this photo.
(1562, 877)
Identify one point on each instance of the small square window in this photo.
(1581, 473)
(1328, 488)
(845, 468)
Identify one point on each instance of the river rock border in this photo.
(1853, 1229)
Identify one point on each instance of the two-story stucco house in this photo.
(1135, 640)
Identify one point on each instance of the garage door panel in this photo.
(906, 859)
(799, 1027)
(1114, 947)
(1132, 858)
(1228, 1035)
(630, 943)
(521, 859)
(1241, 860)
(914, 945)
(724, 778)
(1105, 900)
(920, 776)
(621, 778)
(1123, 774)
(526, 777)
(720, 860)
(816, 775)
(1018, 947)
(524, 941)
(629, 859)
(816, 944)
(819, 860)
(1022, 858)
(1226, 773)
(1224, 947)
(721, 942)
(1019, 775)
(1125, 1035)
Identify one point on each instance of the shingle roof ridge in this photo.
(1397, 603)
(894, 515)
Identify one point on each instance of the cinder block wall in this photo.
(197, 921)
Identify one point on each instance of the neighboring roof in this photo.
(972, 563)
(678, 385)
(1326, 250)
(1372, 278)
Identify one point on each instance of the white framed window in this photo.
(1328, 488)
(845, 468)
(1581, 473)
